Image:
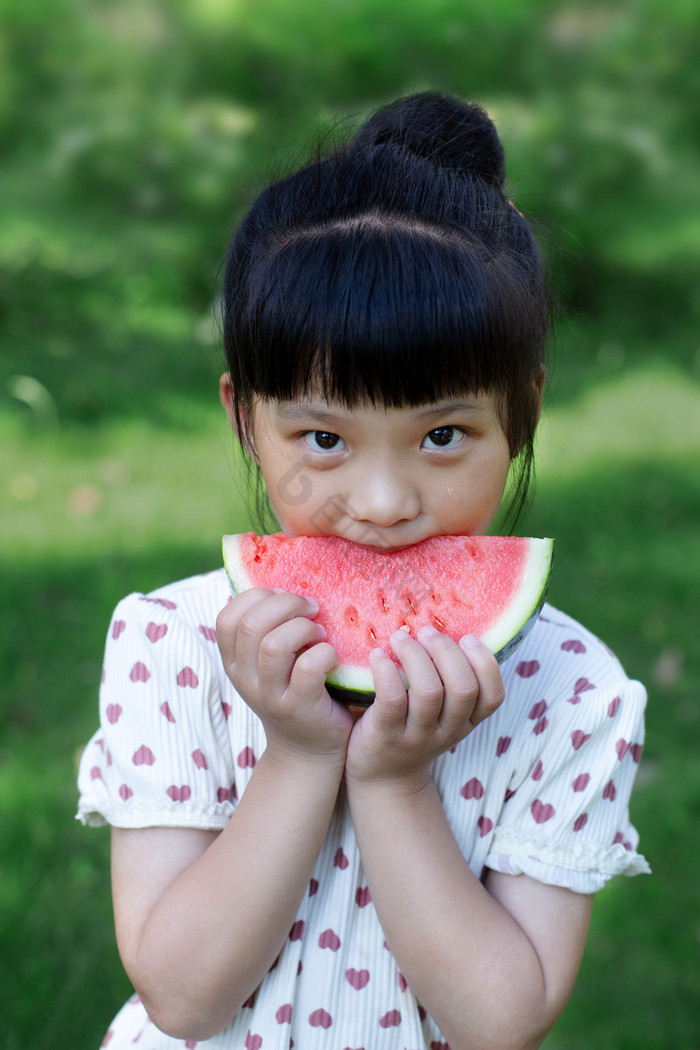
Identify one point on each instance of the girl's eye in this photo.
(324, 441)
(443, 437)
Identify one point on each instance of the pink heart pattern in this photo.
(165, 710)
(246, 758)
(363, 896)
(156, 631)
(199, 759)
(297, 931)
(165, 602)
(472, 789)
(187, 678)
(579, 738)
(391, 1019)
(541, 811)
(139, 672)
(580, 822)
(179, 794)
(320, 1019)
(253, 1042)
(284, 1014)
(340, 860)
(573, 646)
(527, 668)
(113, 713)
(357, 979)
(502, 745)
(117, 628)
(581, 782)
(485, 825)
(537, 710)
(207, 632)
(621, 748)
(143, 756)
(329, 939)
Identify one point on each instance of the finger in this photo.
(390, 705)
(461, 687)
(230, 616)
(492, 691)
(280, 647)
(425, 687)
(308, 677)
(263, 616)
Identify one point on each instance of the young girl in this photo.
(289, 872)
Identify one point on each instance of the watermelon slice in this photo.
(490, 586)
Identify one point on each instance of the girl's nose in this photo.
(384, 499)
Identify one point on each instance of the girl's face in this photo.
(383, 477)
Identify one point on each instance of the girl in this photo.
(288, 872)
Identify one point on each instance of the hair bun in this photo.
(448, 133)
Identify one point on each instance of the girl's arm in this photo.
(201, 916)
(493, 963)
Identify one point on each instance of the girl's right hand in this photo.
(277, 658)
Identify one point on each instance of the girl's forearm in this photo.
(463, 955)
(219, 926)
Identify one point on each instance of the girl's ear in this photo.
(239, 416)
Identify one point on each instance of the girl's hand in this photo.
(452, 687)
(277, 658)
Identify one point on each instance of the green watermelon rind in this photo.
(354, 685)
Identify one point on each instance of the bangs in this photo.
(387, 311)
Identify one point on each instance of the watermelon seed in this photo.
(439, 623)
(372, 634)
(413, 608)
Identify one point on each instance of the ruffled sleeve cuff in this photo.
(583, 867)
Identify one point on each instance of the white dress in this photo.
(541, 787)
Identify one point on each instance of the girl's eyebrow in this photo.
(305, 411)
(453, 406)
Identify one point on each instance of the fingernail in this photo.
(428, 631)
(400, 635)
(469, 641)
(312, 604)
(277, 590)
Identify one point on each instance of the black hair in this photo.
(393, 270)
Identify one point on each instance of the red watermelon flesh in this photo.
(490, 586)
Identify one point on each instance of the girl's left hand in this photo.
(451, 688)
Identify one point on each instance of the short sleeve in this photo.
(566, 816)
(162, 756)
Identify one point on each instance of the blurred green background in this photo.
(134, 135)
